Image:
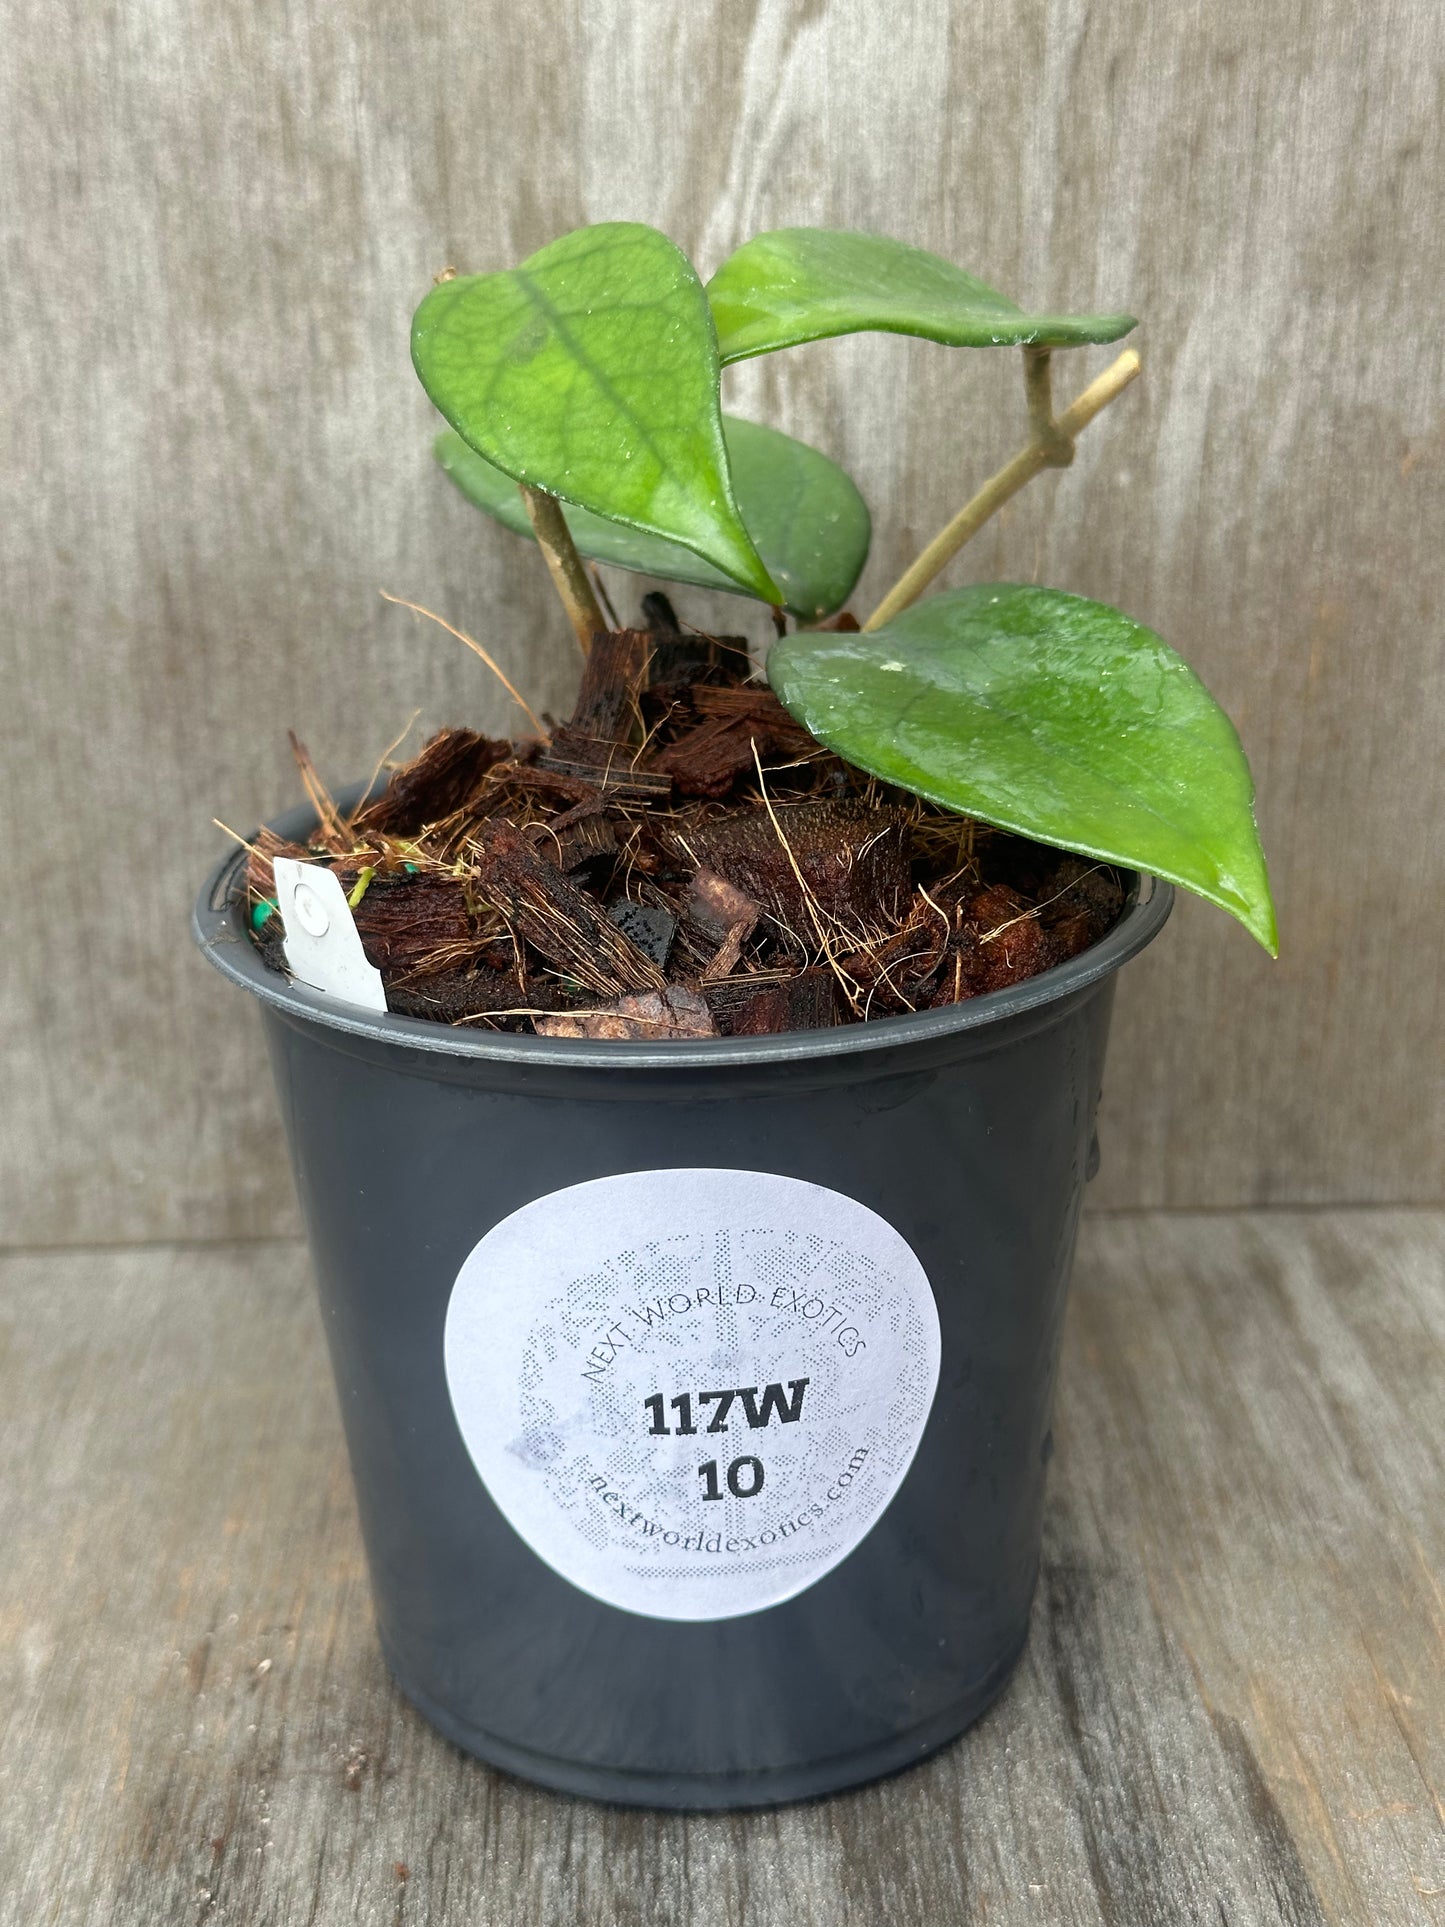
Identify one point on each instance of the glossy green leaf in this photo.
(1051, 716)
(591, 371)
(807, 520)
(799, 284)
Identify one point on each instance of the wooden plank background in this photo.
(216, 222)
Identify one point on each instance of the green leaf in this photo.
(591, 371)
(809, 523)
(800, 284)
(1051, 716)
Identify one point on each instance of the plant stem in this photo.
(1040, 454)
(1100, 392)
(569, 577)
(1039, 388)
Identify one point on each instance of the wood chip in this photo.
(682, 657)
(708, 760)
(444, 778)
(754, 703)
(599, 742)
(893, 973)
(717, 907)
(728, 954)
(411, 922)
(569, 927)
(610, 767)
(612, 677)
(750, 1007)
(533, 776)
(851, 859)
(456, 999)
(592, 839)
(675, 1013)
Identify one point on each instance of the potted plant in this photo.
(692, 1117)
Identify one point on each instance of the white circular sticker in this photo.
(692, 1393)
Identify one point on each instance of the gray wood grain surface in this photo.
(1232, 1708)
(216, 222)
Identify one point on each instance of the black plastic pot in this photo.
(566, 1522)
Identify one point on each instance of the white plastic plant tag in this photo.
(322, 944)
(692, 1393)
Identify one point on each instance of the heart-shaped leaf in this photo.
(800, 284)
(1051, 716)
(807, 520)
(591, 371)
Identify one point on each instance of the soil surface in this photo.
(678, 859)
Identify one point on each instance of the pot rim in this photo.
(224, 941)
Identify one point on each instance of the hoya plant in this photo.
(583, 393)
